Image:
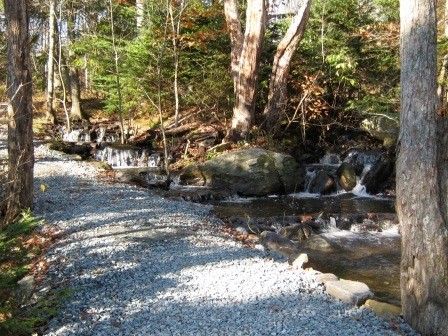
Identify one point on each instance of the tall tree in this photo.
(278, 92)
(246, 76)
(50, 112)
(20, 110)
(422, 177)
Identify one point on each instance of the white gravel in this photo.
(139, 264)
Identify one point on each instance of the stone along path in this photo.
(138, 264)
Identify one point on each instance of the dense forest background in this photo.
(176, 55)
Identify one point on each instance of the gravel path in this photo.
(139, 264)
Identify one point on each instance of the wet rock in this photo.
(322, 184)
(250, 172)
(384, 310)
(273, 241)
(318, 243)
(377, 175)
(297, 232)
(351, 292)
(347, 176)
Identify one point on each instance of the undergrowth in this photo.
(20, 247)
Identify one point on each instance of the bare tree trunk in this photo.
(422, 185)
(76, 112)
(117, 73)
(236, 36)
(246, 82)
(19, 194)
(50, 112)
(175, 27)
(278, 93)
(140, 11)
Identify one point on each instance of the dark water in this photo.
(288, 206)
(369, 257)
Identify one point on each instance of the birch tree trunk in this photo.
(50, 112)
(422, 176)
(278, 95)
(19, 194)
(247, 75)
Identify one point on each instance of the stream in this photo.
(364, 255)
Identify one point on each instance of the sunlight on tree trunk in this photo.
(422, 177)
(236, 36)
(278, 92)
(50, 112)
(247, 77)
(19, 195)
(117, 73)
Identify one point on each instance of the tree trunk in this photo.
(50, 112)
(19, 195)
(277, 98)
(236, 36)
(140, 11)
(422, 177)
(76, 112)
(246, 81)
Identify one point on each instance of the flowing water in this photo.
(369, 257)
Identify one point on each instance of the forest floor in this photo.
(138, 264)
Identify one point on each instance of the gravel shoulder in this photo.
(138, 264)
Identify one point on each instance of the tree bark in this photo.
(247, 78)
(278, 93)
(236, 37)
(422, 187)
(76, 112)
(140, 11)
(19, 195)
(50, 112)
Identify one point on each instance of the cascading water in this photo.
(120, 156)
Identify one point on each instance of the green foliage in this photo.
(15, 317)
(347, 64)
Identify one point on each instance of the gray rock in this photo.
(383, 127)
(249, 172)
(351, 292)
(296, 232)
(273, 241)
(326, 277)
(318, 243)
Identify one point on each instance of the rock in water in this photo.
(249, 172)
(273, 241)
(296, 232)
(347, 176)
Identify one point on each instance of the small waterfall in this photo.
(121, 156)
(326, 173)
(77, 135)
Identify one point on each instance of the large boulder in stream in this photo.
(249, 172)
